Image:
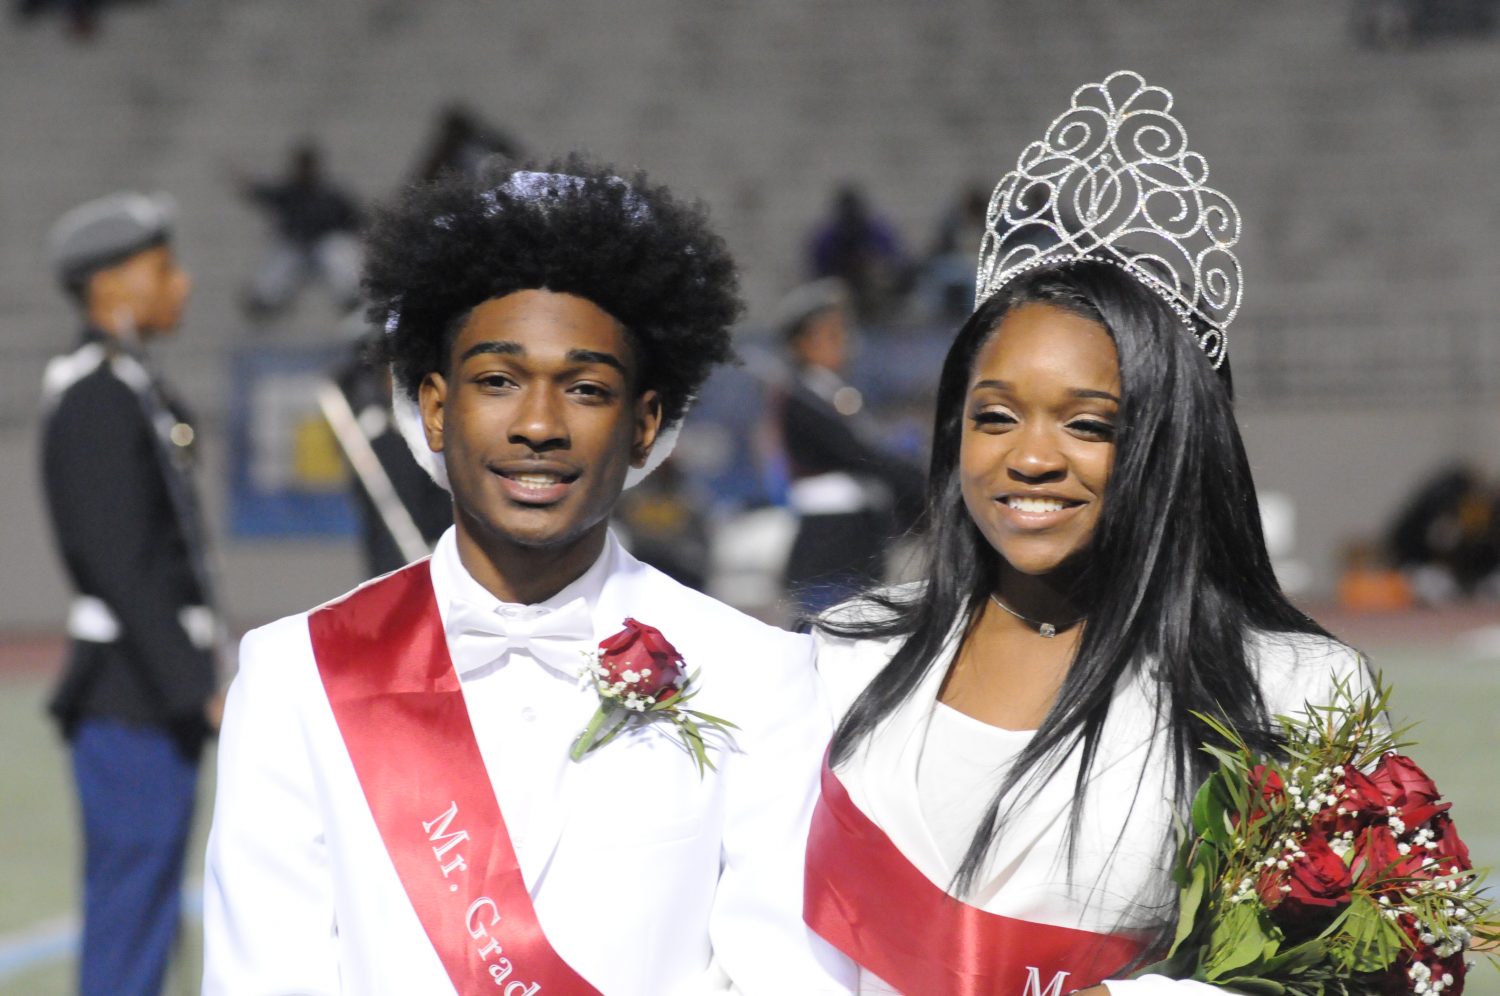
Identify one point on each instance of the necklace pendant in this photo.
(1048, 630)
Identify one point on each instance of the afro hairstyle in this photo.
(648, 260)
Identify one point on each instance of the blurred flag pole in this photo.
(372, 476)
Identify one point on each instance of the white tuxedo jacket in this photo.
(1126, 842)
(646, 878)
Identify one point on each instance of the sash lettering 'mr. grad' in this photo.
(444, 841)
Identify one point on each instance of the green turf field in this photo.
(1455, 698)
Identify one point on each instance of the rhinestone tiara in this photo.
(1113, 180)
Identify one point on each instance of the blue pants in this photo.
(135, 788)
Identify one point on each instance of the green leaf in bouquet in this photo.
(1297, 959)
(1211, 812)
(1191, 903)
(1238, 941)
(1254, 986)
(1367, 941)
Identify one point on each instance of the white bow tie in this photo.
(557, 638)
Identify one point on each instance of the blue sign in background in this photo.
(276, 436)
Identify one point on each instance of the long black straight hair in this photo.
(1176, 576)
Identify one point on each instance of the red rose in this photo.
(1451, 852)
(644, 660)
(1265, 784)
(1407, 788)
(1377, 857)
(1312, 885)
(1360, 803)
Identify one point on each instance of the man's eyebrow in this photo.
(504, 347)
(509, 347)
(595, 356)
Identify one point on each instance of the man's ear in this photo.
(432, 402)
(647, 427)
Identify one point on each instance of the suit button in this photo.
(528, 714)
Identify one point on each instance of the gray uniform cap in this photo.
(107, 231)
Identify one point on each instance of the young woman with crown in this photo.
(1020, 732)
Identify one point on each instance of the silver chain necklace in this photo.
(1046, 629)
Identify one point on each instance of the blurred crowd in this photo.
(1442, 547)
(846, 481)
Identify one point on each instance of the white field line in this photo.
(56, 939)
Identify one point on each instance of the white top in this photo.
(963, 762)
(1123, 850)
(648, 879)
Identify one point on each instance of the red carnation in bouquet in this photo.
(640, 676)
(1336, 871)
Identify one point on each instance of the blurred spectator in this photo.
(851, 496)
(1398, 23)
(82, 16)
(315, 228)
(402, 512)
(137, 698)
(1447, 535)
(861, 249)
(664, 527)
(946, 283)
(461, 142)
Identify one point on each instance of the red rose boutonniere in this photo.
(639, 676)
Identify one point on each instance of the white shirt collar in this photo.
(452, 583)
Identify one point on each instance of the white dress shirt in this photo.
(533, 708)
(647, 878)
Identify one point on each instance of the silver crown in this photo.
(1113, 180)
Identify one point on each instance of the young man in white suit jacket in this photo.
(549, 325)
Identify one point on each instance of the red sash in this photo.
(867, 900)
(384, 662)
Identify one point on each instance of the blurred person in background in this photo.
(314, 236)
(1447, 535)
(462, 141)
(82, 15)
(402, 511)
(851, 496)
(137, 698)
(404, 804)
(862, 249)
(663, 525)
(946, 282)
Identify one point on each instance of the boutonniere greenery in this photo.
(640, 677)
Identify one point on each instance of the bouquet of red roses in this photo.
(1337, 870)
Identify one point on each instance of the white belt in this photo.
(91, 619)
(833, 493)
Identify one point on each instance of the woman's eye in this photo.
(993, 418)
(1093, 427)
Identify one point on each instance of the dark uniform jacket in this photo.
(819, 439)
(115, 450)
